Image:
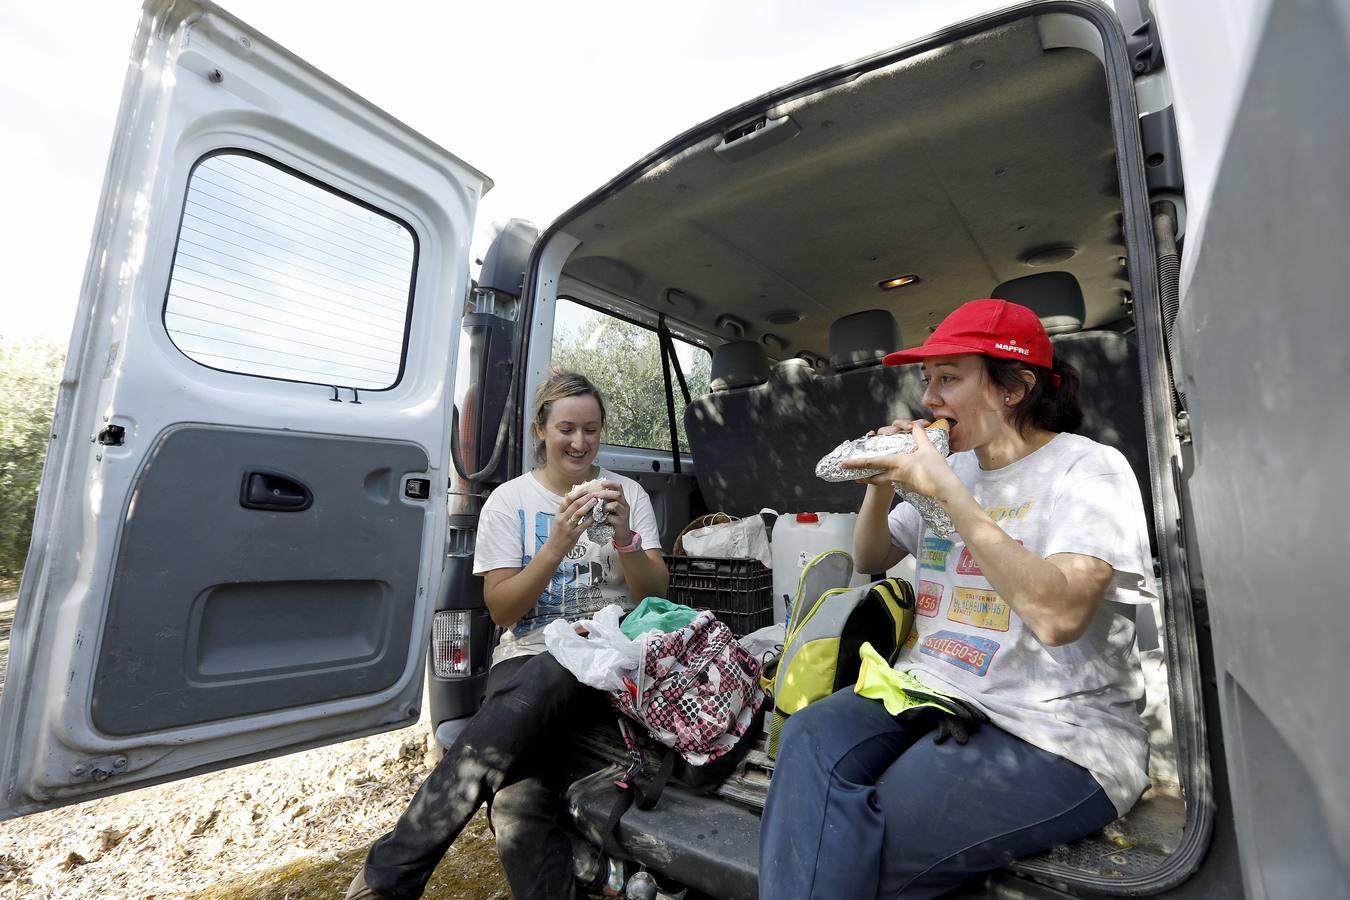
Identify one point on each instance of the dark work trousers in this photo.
(509, 749)
(860, 806)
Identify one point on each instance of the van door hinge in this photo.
(97, 769)
(1141, 43)
(112, 436)
(1162, 151)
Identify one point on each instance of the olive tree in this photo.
(623, 360)
(30, 371)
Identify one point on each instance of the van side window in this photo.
(276, 275)
(623, 359)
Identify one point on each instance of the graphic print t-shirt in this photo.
(514, 525)
(1077, 701)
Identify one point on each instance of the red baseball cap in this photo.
(992, 327)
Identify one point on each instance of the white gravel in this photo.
(180, 838)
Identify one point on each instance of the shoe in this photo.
(359, 890)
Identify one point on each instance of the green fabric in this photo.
(878, 681)
(656, 614)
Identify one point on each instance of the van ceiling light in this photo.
(898, 281)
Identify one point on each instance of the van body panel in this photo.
(242, 519)
(1261, 337)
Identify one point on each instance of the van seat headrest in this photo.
(1053, 296)
(862, 339)
(792, 371)
(738, 364)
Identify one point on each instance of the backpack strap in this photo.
(635, 758)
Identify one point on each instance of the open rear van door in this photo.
(242, 521)
(1262, 337)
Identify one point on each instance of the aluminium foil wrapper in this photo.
(830, 468)
(599, 531)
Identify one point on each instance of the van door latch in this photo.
(112, 436)
(1184, 427)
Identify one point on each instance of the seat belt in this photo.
(668, 361)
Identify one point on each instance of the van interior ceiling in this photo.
(969, 166)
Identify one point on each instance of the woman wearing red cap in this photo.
(1024, 623)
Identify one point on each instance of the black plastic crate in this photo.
(738, 591)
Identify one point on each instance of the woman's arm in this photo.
(646, 574)
(644, 571)
(1056, 597)
(511, 593)
(873, 550)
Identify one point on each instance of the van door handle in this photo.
(273, 492)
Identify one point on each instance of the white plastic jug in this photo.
(801, 537)
(798, 539)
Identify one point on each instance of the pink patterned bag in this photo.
(697, 691)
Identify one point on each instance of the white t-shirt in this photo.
(1079, 700)
(515, 523)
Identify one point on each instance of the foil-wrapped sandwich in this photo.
(831, 468)
(600, 531)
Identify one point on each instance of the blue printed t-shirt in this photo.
(514, 525)
(1077, 701)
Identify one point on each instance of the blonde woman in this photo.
(538, 565)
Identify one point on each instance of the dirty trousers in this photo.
(509, 750)
(861, 806)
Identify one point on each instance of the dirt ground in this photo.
(285, 829)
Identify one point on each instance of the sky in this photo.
(551, 100)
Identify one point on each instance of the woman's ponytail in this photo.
(1050, 403)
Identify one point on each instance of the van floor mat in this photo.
(1132, 847)
(703, 842)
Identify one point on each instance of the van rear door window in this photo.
(278, 276)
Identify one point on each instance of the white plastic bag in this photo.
(602, 657)
(768, 639)
(737, 539)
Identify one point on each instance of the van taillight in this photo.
(450, 644)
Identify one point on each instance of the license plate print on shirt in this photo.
(930, 598)
(983, 609)
(934, 554)
(965, 651)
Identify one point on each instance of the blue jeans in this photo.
(861, 806)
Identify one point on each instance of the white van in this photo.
(243, 547)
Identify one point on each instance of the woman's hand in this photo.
(573, 518)
(900, 425)
(923, 471)
(617, 512)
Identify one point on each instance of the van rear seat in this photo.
(755, 436)
(864, 394)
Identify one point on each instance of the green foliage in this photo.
(624, 362)
(30, 371)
